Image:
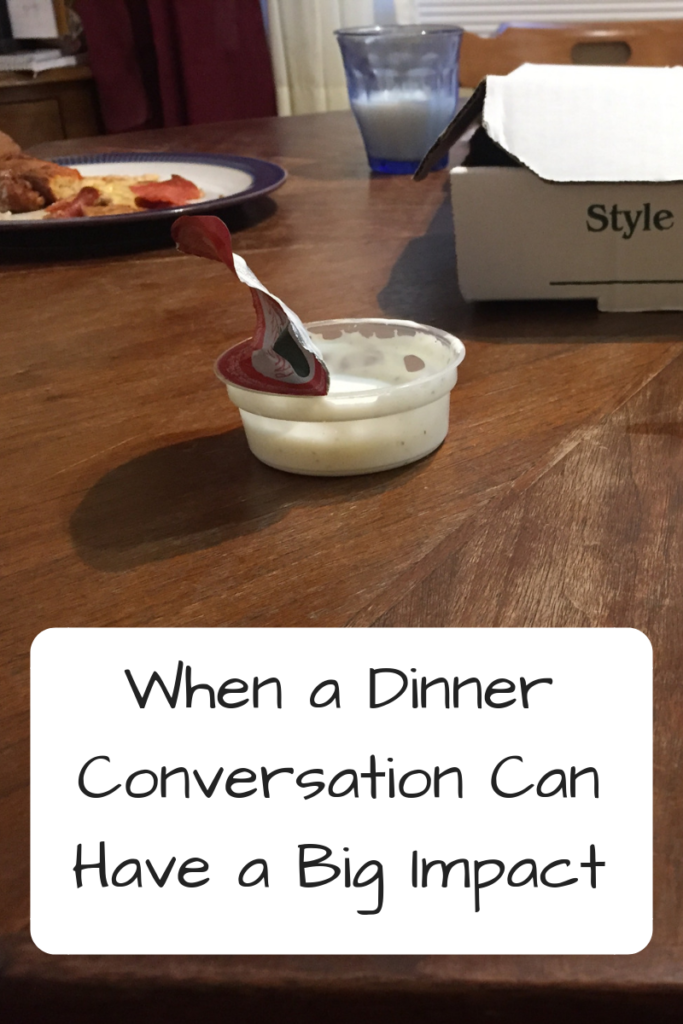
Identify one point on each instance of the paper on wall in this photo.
(32, 19)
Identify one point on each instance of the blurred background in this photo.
(73, 68)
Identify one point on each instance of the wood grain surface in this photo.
(130, 499)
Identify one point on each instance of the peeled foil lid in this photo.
(280, 357)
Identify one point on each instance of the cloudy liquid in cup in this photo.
(401, 124)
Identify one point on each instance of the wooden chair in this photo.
(643, 43)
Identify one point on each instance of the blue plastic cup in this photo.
(403, 88)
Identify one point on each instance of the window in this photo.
(484, 16)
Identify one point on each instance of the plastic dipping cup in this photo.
(403, 88)
(388, 404)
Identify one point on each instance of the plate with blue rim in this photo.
(227, 181)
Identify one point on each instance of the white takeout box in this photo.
(573, 187)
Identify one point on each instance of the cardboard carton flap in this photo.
(587, 123)
(467, 116)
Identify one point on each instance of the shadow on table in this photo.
(423, 286)
(106, 236)
(197, 494)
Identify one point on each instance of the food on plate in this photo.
(30, 185)
(8, 147)
(174, 192)
(112, 194)
(85, 198)
(17, 195)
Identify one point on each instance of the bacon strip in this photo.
(75, 207)
(159, 194)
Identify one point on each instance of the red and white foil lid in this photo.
(280, 358)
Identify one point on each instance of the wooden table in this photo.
(130, 500)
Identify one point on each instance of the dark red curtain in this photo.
(172, 62)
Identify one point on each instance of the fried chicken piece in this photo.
(28, 183)
(44, 177)
(8, 147)
(17, 196)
